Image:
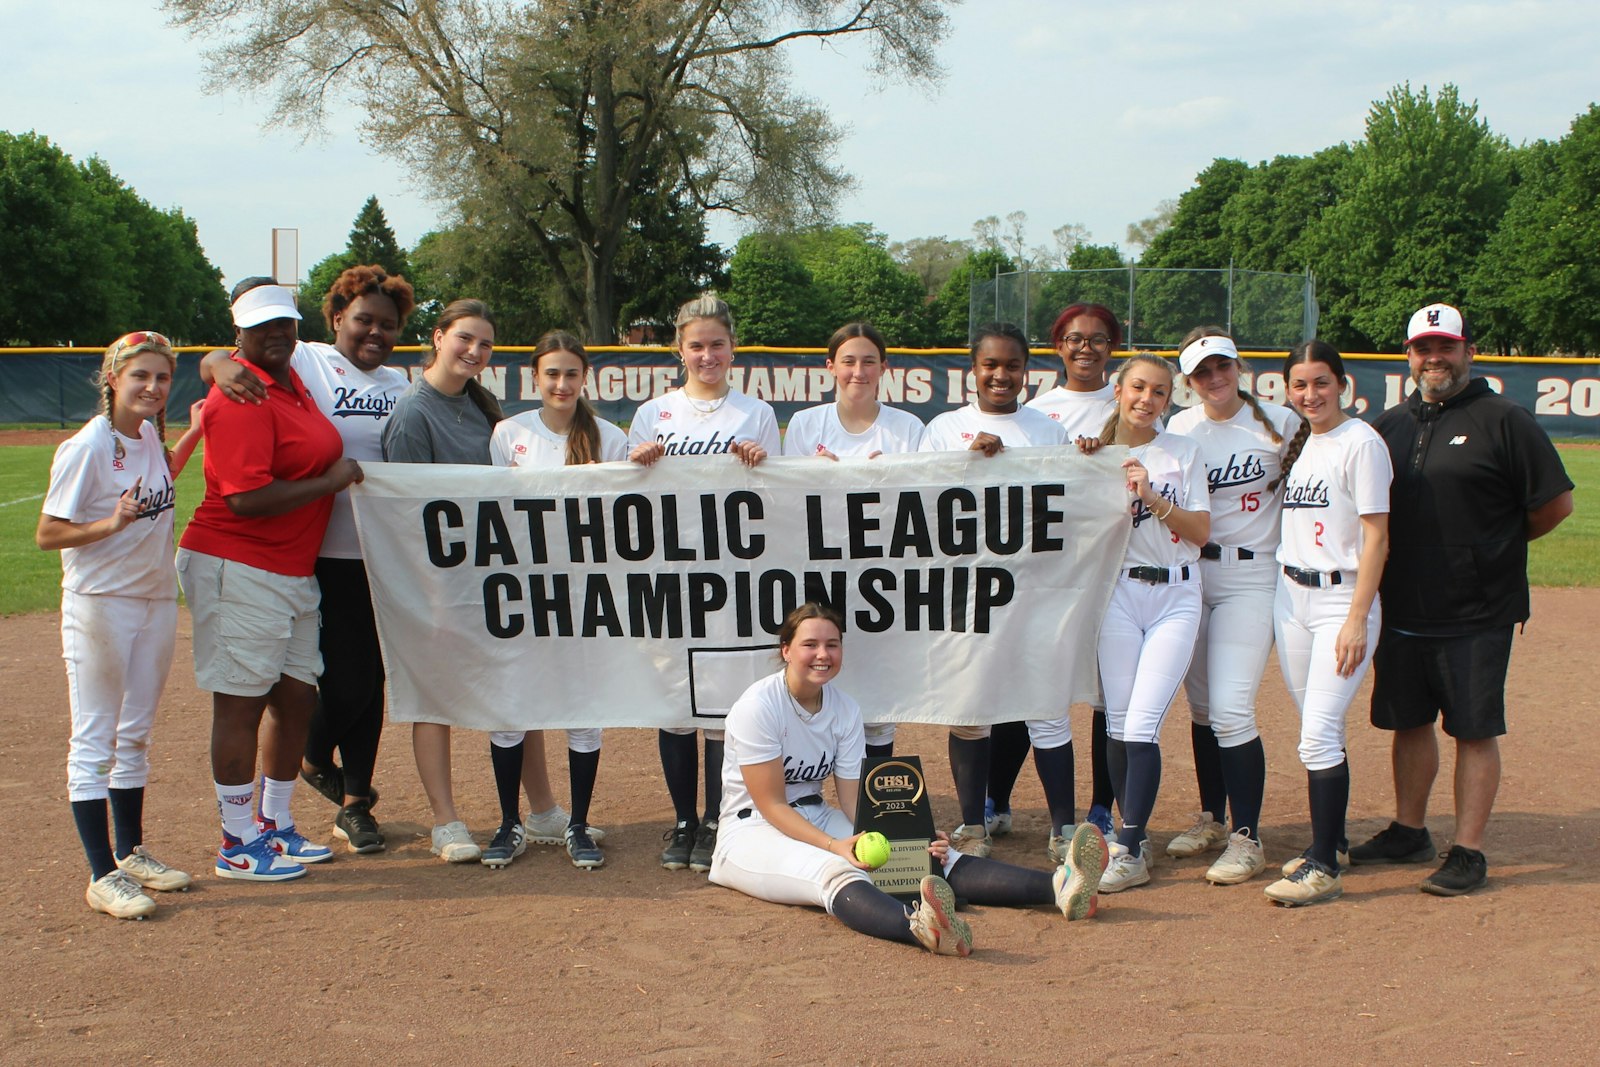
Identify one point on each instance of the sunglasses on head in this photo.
(140, 339)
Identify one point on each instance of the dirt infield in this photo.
(396, 958)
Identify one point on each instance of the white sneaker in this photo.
(1206, 835)
(151, 873)
(1126, 868)
(118, 895)
(1077, 880)
(1241, 861)
(934, 922)
(551, 828)
(453, 843)
(1311, 883)
(1290, 866)
(972, 841)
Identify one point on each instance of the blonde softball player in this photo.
(109, 512)
(1084, 336)
(1148, 635)
(562, 431)
(792, 733)
(1335, 540)
(707, 417)
(1242, 442)
(856, 424)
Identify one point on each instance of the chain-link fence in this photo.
(1157, 306)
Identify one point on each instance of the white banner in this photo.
(618, 595)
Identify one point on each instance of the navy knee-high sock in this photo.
(1103, 783)
(1117, 772)
(1008, 751)
(90, 817)
(127, 817)
(714, 750)
(582, 769)
(1000, 885)
(969, 766)
(680, 765)
(1144, 782)
(508, 779)
(866, 909)
(881, 750)
(1244, 768)
(1329, 793)
(1208, 771)
(1057, 774)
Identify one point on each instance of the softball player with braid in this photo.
(562, 431)
(707, 417)
(109, 512)
(781, 841)
(1242, 442)
(1084, 336)
(991, 423)
(1148, 635)
(856, 424)
(1335, 541)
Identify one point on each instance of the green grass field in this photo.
(1568, 557)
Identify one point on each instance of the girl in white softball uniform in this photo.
(856, 425)
(1335, 541)
(109, 512)
(1148, 634)
(993, 422)
(789, 736)
(1242, 442)
(707, 417)
(563, 431)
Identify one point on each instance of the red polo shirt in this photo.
(251, 445)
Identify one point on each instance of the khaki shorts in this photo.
(251, 627)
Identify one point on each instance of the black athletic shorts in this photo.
(1415, 678)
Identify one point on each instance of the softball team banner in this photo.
(618, 595)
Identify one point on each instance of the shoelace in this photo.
(123, 887)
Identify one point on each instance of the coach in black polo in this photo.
(1475, 479)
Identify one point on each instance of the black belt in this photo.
(1157, 575)
(810, 800)
(1313, 579)
(1214, 551)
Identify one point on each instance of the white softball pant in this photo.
(711, 735)
(1307, 623)
(1042, 733)
(118, 651)
(585, 740)
(1231, 650)
(1146, 642)
(761, 861)
(879, 733)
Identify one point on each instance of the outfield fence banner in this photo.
(619, 595)
(1564, 394)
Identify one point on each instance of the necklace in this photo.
(800, 709)
(706, 407)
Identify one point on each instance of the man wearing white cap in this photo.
(1475, 480)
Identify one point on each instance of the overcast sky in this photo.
(1072, 112)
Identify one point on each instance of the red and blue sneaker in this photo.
(291, 843)
(257, 861)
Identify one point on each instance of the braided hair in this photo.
(1307, 352)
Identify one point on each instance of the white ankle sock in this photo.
(236, 804)
(275, 801)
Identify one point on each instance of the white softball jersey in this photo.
(90, 472)
(766, 724)
(1241, 461)
(1178, 474)
(954, 431)
(1340, 476)
(358, 403)
(1080, 414)
(815, 429)
(525, 441)
(686, 427)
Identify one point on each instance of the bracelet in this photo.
(1171, 506)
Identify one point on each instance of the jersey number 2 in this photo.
(1319, 528)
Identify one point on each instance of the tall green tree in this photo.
(951, 312)
(371, 241)
(1425, 190)
(556, 107)
(774, 297)
(1166, 306)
